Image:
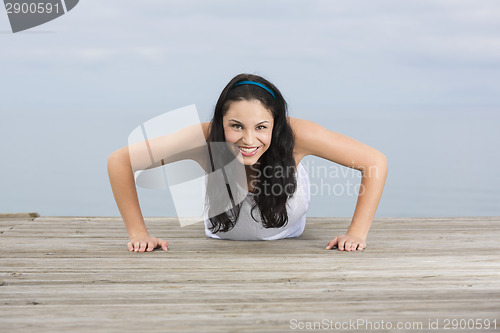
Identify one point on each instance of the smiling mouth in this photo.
(248, 151)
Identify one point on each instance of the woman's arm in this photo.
(313, 139)
(184, 144)
(122, 182)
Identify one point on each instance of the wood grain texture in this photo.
(19, 215)
(74, 274)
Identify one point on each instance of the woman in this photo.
(251, 118)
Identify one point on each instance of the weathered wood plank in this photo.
(19, 215)
(75, 274)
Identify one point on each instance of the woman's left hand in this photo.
(347, 243)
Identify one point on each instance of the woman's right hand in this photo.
(145, 242)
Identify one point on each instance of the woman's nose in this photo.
(248, 137)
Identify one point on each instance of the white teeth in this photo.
(248, 150)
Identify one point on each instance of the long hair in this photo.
(278, 157)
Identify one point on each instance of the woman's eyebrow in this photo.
(239, 122)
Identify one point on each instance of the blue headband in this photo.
(255, 84)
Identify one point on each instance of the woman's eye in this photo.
(261, 127)
(236, 126)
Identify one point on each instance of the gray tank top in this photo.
(247, 228)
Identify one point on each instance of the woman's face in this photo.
(248, 126)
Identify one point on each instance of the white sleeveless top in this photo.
(246, 228)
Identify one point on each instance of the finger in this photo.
(341, 244)
(142, 247)
(361, 246)
(332, 243)
(130, 246)
(348, 245)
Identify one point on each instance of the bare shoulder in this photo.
(206, 127)
(300, 128)
(313, 139)
(298, 124)
(305, 131)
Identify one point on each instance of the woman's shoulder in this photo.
(303, 131)
(301, 124)
(312, 138)
(205, 126)
(303, 128)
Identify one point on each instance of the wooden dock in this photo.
(72, 274)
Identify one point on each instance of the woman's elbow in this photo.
(377, 166)
(381, 165)
(113, 157)
(383, 161)
(116, 158)
(111, 165)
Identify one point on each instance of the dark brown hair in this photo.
(279, 155)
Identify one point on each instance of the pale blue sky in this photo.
(72, 90)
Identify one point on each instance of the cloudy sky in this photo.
(71, 90)
(319, 52)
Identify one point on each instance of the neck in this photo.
(251, 172)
